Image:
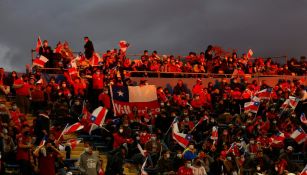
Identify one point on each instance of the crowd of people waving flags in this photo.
(232, 126)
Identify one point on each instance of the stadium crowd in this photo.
(222, 136)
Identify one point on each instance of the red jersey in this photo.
(98, 81)
(185, 171)
(24, 90)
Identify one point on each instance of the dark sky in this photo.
(269, 27)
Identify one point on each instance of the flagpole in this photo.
(111, 93)
(62, 132)
(170, 126)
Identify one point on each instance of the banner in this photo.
(131, 99)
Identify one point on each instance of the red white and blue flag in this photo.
(303, 118)
(38, 44)
(304, 171)
(299, 135)
(250, 53)
(265, 93)
(73, 128)
(43, 141)
(278, 138)
(40, 62)
(128, 98)
(251, 107)
(293, 101)
(181, 138)
(99, 115)
(214, 134)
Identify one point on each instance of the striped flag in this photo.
(303, 118)
(251, 107)
(40, 62)
(285, 105)
(99, 115)
(299, 135)
(293, 101)
(278, 138)
(214, 134)
(181, 138)
(73, 128)
(265, 93)
(250, 53)
(38, 44)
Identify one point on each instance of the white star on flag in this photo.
(120, 93)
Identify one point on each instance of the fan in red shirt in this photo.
(105, 99)
(185, 169)
(23, 93)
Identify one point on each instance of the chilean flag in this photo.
(214, 134)
(303, 118)
(73, 128)
(38, 44)
(251, 107)
(293, 101)
(265, 93)
(123, 46)
(299, 135)
(250, 53)
(285, 105)
(128, 98)
(181, 138)
(99, 115)
(40, 62)
(73, 143)
(278, 138)
(42, 143)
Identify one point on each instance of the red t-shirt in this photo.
(185, 171)
(98, 81)
(46, 164)
(23, 153)
(24, 90)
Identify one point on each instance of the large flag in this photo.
(99, 115)
(251, 107)
(38, 44)
(40, 62)
(73, 128)
(303, 118)
(181, 138)
(250, 53)
(299, 136)
(128, 98)
(265, 93)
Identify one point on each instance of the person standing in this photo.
(23, 94)
(89, 162)
(88, 48)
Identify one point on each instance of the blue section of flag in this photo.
(93, 118)
(120, 93)
(256, 103)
